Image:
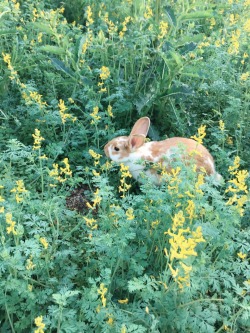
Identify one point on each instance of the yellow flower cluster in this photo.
(238, 186)
(7, 60)
(234, 42)
(91, 223)
(97, 200)
(123, 301)
(112, 28)
(37, 139)
(29, 264)
(11, 223)
(182, 245)
(31, 97)
(124, 187)
(174, 181)
(39, 324)
(246, 26)
(190, 209)
(129, 214)
(63, 114)
(95, 156)
(94, 115)
(199, 183)
(58, 174)
(104, 73)
(244, 76)
(19, 190)
(242, 255)
(44, 242)
(123, 329)
(201, 134)
(163, 29)
(109, 111)
(87, 42)
(148, 13)
(222, 125)
(124, 26)
(103, 291)
(89, 16)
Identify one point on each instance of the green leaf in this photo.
(197, 15)
(171, 15)
(52, 49)
(43, 28)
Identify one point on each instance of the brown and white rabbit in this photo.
(132, 150)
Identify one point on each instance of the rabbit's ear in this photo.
(141, 127)
(136, 141)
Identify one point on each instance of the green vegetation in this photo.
(84, 248)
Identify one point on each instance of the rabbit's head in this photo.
(121, 148)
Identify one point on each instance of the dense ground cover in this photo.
(84, 248)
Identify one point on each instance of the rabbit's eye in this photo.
(116, 149)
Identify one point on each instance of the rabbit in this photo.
(134, 152)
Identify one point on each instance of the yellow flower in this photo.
(242, 255)
(178, 220)
(103, 291)
(232, 169)
(34, 97)
(95, 156)
(129, 214)
(43, 157)
(244, 76)
(110, 321)
(201, 134)
(190, 209)
(123, 329)
(240, 181)
(124, 174)
(232, 19)
(94, 115)
(44, 242)
(39, 37)
(148, 12)
(97, 200)
(234, 42)
(174, 272)
(124, 26)
(29, 264)
(19, 190)
(222, 125)
(39, 324)
(89, 16)
(91, 223)
(11, 228)
(246, 26)
(199, 183)
(163, 29)
(66, 170)
(63, 114)
(212, 22)
(6, 58)
(123, 301)
(37, 139)
(109, 110)
(55, 172)
(104, 73)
